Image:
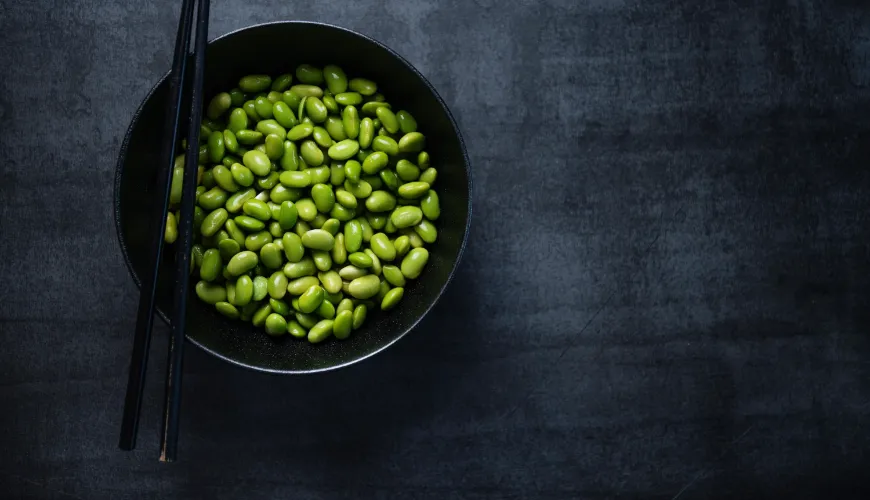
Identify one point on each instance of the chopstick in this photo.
(169, 437)
(145, 312)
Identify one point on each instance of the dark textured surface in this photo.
(664, 294)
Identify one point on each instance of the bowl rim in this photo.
(122, 159)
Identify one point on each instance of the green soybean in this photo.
(428, 176)
(339, 252)
(362, 86)
(318, 239)
(264, 108)
(350, 122)
(309, 74)
(213, 198)
(252, 84)
(348, 98)
(386, 145)
(210, 293)
(320, 331)
(382, 247)
(342, 325)
(407, 123)
(380, 201)
(244, 290)
(322, 259)
(213, 221)
(402, 244)
(375, 162)
(276, 285)
(344, 150)
(387, 118)
(311, 153)
(413, 263)
(322, 137)
(211, 265)
(295, 179)
(299, 269)
(364, 287)
(392, 298)
(352, 171)
(359, 316)
(270, 256)
(298, 286)
(406, 216)
(296, 330)
(275, 324)
(336, 80)
(335, 127)
(249, 137)
(300, 131)
(366, 132)
(267, 127)
(316, 110)
(242, 262)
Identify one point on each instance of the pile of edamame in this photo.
(314, 203)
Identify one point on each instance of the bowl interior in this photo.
(273, 49)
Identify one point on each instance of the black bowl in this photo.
(273, 49)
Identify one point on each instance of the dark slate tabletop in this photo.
(664, 294)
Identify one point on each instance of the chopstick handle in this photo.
(172, 409)
(145, 312)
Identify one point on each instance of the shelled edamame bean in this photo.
(315, 203)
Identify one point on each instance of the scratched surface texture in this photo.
(665, 293)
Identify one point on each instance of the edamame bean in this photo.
(224, 178)
(282, 114)
(342, 325)
(383, 247)
(364, 287)
(331, 281)
(407, 171)
(322, 259)
(216, 149)
(242, 262)
(261, 288)
(427, 231)
(257, 162)
(351, 272)
(352, 171)
(412, 142)
(344, 150)
(270, 256)
(227, 310)
(235, 201)
(380, 201)
(275, 324)
(385, 144)
(293, 248)
(299, 269)
(252, 84)
(336, 80)
(402, 244)
(244, 290)
(413, 263)
(295, 179)
(320, 331)
(362, 86)
(335, 127)
(274, 146)
(406, 216)
(213, 222)
(407, 123)
(211, 265)
(267, 127)
(393, 275)
(428, 176)
(210, 293)
(254, 242)
(300, 285)
(366, 132)
(375, 162)
(387, 118)
(359, 316)
(414, 189)
(348, 98)
(311, 153)
(339, 252)
(361, 189)
(212, 199)
(310, 300)
(276, 285)
(282, 82)
(392, 298)
(219, 105)
(376, 262)
(263, 107)
(309, 74)
(316, 110)
(257, 209)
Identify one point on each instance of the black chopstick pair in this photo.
(145, 314)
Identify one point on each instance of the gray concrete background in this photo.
(664, 294)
